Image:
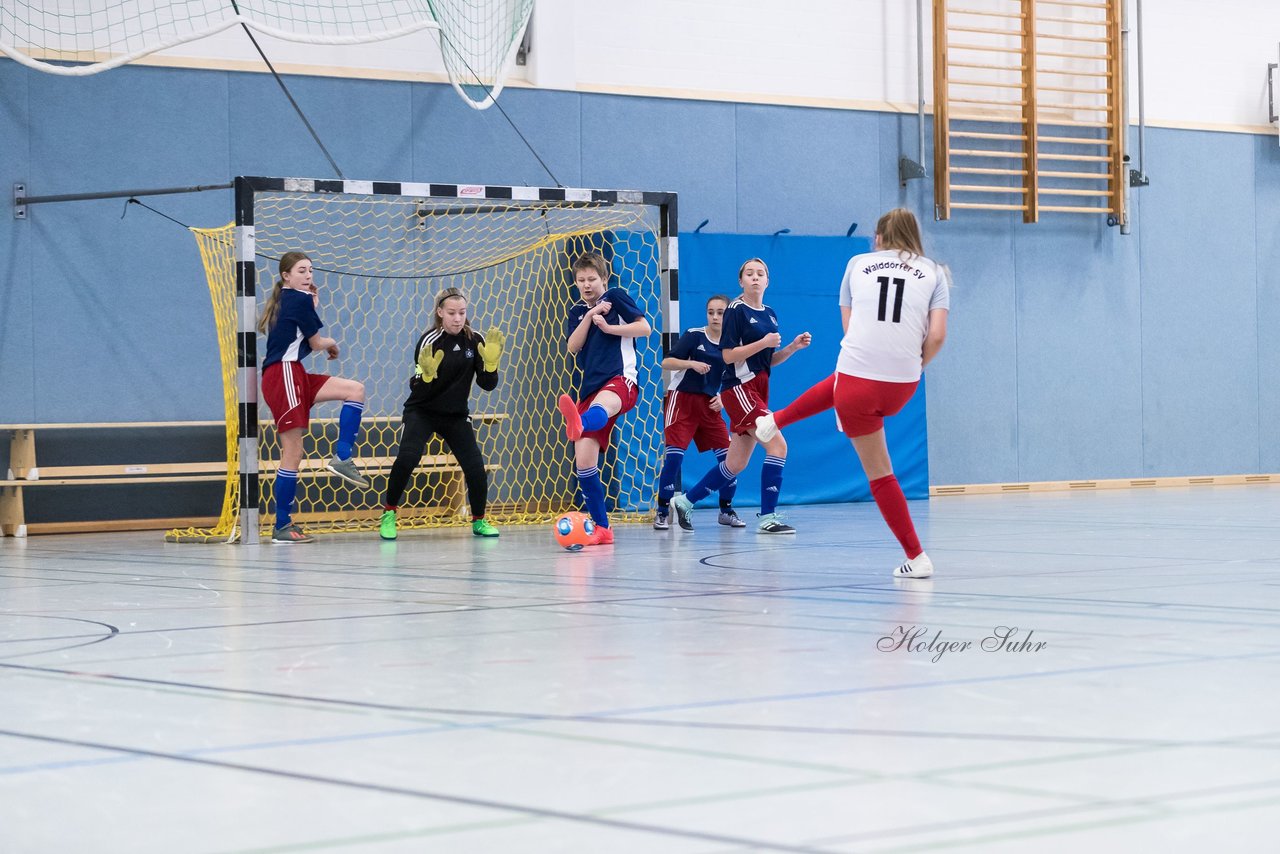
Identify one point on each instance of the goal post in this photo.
(381, 252)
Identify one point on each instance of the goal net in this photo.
(381, 253)
(477, 39)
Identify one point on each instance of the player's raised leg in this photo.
(351, 393)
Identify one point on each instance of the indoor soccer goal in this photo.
(381, 252)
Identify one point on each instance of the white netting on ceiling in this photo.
(477, 37)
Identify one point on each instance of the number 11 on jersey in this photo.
(899, 285)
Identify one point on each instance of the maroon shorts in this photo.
(626, 391)
(862, 405)
(289, 391)
(688, 417)
(745, 403)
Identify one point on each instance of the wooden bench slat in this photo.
(111, 425)
(485, 417)
(138, 469)
(97, 481)
(446, 464)
(25, 471)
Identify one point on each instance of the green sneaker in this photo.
(482, 528)
(387, 527)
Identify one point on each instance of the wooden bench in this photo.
(25, 472)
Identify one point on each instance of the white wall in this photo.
(1203, 68)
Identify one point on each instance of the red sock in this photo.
(819, 398)
(391, 507)
(893, 507)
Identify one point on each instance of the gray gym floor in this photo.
(718, 691)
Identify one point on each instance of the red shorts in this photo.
(688, 417)
(289, 391)
(626, 391)
(862, 405)
(745, 403)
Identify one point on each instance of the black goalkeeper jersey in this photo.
(448, 393)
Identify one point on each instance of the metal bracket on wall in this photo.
(19, 196)
(909, 169)
(1138, 179)
(1271, 93)
(526, 43)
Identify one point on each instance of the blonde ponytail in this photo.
(271, 308)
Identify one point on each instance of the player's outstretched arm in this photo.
(804, 339)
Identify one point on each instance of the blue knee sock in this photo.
(593, 492)
(771, 484)
(594, 418)
(670, 477)
(348, 429)
(712, 481)
(286, 489)
(730, 489)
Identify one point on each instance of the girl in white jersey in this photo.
(894, 304)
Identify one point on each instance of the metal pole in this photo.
(1123, 120)
(247, 362)
(118, 194)
(908, 168)
(920, 77)
(1142, 107)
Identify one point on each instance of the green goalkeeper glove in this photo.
(429, 360)
(491, 349)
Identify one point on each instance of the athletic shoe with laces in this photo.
(290, 534)
(917, 567)
(684, 511)
(346, 469)
(661, 520)
(572, 417)
(601, 536)
(730, 518)
(387, 527)
(482, 528)
(771, 523)
(766, 427)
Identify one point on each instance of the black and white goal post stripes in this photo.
(376, 242)
(247, 360)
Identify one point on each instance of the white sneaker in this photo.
(766, 427)
(918, 567)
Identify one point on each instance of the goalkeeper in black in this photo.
(447, 358)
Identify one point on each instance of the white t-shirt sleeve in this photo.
(942, 290)
(846, 288)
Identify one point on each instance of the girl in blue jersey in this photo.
(691, 411)
(292, 327)
(751, 346)
(600, 330)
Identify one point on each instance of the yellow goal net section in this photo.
(380, 259)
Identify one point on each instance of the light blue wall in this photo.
(1074, 352)
(17, 353)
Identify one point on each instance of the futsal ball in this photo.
(573, 530)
